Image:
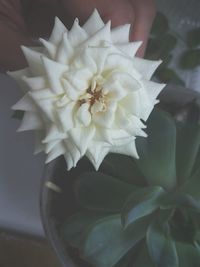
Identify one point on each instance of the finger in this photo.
(144, 16)
(13, 31)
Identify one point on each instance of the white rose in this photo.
(86, 92)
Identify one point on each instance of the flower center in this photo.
(95, 97)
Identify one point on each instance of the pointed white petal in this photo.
(128, 82)
(54, 72)
(82, 137)
(119, 137)
(102, 36)
(25, 103)
(77, 35)
(53, 133)
(65, 51)
(120, 34)
(105, 119)
(39, 147)
(79, 79)
(57, 151)
(72, 152)
(71, 92)
(84, 60)
(35, 83)
(146, 67)
(94, 23)
(128, 149)
(130, 49)
(96, 152)
(65, 116)
(69, 161)
(99, 55)
(31, 121)
(57, 33)
(17, 76)
(44, 101)
(153, 89)
(50, 146)
(50, 47)
(120, 62)
(34, 61)
(83, 115)
(130, 123)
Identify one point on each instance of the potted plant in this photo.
(130, 195)
(133, 212)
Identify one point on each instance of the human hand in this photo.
(19, 24)
(139, 13)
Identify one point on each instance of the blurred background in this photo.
(175, 39)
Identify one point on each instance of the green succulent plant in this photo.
(143, 212)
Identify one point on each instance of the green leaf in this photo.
(168, 75)
(124, 168)
(97, 191)
(183, 226)
(190, 59)
(160, 25)
(157, 151)
(107, 242)
(161, 247)
(141, 203)
(193, 37)
(144, 259)
(188, 255)
(188, 140)
(18, 114)
(179, 199)
(74, 227)
(128, 259)
(160, 48)
(192, 185)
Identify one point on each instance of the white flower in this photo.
(86, 93)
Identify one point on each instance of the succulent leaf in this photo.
(97, 191)
(157, 152)
(142, 202)
(161, 247)
(107, 242)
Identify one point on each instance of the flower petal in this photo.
(17, 76)
(57, 151)
(128, 149)
(31, 121)
(65, 51)
(103, 35)
(83, 116)
(25, 103)
(96, 152)
(65, 116)
(146, 67)
(34, 61)
(35, 83)
(57, 33)
(120, 34)
(94, 23)
(82, 137)
(130, 49)
(73, 154)
(50, 47)
(77, 35)
(54, 71)
(153, 89)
